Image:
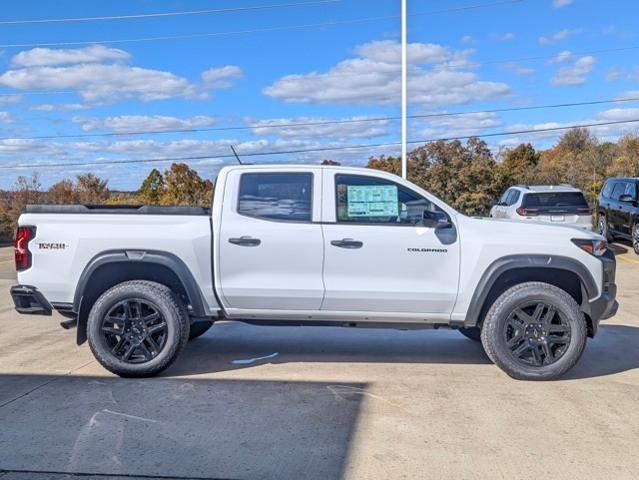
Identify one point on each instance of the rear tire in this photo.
(603, 228)
(474, 333)
(534, 331)
(199, 328)
(137, 328)
(635, 238)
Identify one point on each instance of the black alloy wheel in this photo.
(537, 334)
(134, 330)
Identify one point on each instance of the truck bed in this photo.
(119, 209)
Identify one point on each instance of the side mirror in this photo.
(432, 219)
(626, 198)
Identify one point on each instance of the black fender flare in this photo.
(511, 262)
(124, 256)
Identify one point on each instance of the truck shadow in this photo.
(231, 346)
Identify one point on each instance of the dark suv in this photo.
(619, 210)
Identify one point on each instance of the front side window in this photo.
(631, 190)
(362, 199)
(276, 196)
(618, 190)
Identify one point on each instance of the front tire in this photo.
(534, 331)
(635, 238)
(137, 328)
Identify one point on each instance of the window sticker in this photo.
(372, 200)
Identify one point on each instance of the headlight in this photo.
(593, 247)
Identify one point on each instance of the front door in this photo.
(270, 251)
(377, 256)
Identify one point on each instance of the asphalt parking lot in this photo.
(321, 403)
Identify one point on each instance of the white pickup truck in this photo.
(312, 245)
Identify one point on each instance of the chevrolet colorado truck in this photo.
(312, 245)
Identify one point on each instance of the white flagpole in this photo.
(404, 90)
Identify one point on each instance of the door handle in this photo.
(347, 243)
(245, 241)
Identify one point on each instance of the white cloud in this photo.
(102, 82)
(628, 95)
(100, 75)
(468, 39)
(558, 36)
(519, 69)
(340, 131)
(561, 3)
(455, 126)
(374, 78)
(574, 74)
(609, 30)
(58, 107)
(11, 99)
(603, 132)
(561, 57)
(142, 123)
(221, 77)
(614, 74)
(504, 37)
(38, 57)
(5, 117)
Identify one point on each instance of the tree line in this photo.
(466, 175)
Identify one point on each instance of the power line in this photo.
(260, 30)
(314, 150)
(319, 123)
(168, 14)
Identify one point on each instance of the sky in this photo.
(266, 75)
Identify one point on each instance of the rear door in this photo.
(271, 248)
(615, 214)
(626, 209)
(378, 258)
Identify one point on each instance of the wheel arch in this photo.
(562, 272)
(110, 268)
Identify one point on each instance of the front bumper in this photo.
(28, 300)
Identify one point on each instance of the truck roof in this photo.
(547, 188)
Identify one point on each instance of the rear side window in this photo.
(606, 192)
(276, 196)
(553, 200)
(513, 196)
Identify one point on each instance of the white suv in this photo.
(562, 204)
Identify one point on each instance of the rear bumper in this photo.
(28, 300)
(606, 305)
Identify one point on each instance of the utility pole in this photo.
(404, 91)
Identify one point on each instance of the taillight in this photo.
(584, 211)
(21, 248)
(527, 212)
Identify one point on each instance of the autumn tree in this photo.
(626, 159)
(64, 192)
(152, 189)
(91, 189)
(518, 165)
(184, 186)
